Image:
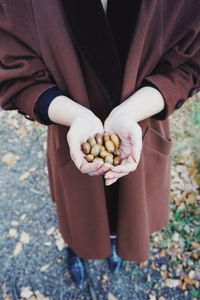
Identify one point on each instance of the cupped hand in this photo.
(130, 134)
(84, 126)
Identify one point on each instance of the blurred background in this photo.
(32, 253)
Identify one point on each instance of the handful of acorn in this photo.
(103, 147)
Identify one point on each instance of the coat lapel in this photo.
(103, 40)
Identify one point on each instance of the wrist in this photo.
(83, 113)
(143, 104)
(124, 109)
(63, 110)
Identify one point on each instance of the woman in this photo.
(82, 67)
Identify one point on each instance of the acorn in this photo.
(115, 139)
(109, 159)
(95, 150)
(86, 147)
(89, 157)
(102, 147)
(99, 138)
(110, 147)
(106, 136)
(116, 161)
(91, 140)
(116, 152)
(104, 153)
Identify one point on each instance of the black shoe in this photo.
(76, 267)
(114, 261)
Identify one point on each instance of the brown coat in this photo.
(41, 48)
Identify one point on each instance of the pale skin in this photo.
(122, 120)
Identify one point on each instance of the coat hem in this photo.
(107, 253)
(147, 256)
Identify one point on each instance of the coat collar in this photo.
(103, 40)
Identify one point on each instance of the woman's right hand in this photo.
(84, 126)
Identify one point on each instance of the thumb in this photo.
(107, 127)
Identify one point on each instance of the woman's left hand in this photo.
(130, 134)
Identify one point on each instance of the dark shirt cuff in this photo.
(148, 83)
(43, 102)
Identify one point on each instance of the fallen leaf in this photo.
(26, 292)
(32, 169)
(186, 279)
(172, 282)
(40, 296)
(44, 268)
(23, 217)
(195, 245)
(60, 244)
(153, 266)
(176, 237)
(50, 230)
(143, 264)
(152, 297)
(4, 289)
(7, 297)
(111, 297)
(192, 274)
(105, 279)
(164, 274)
(10, 159)
(196, 255)
(15, 223)
(191, 198)
(13, 233)
(24, 176)
(24, 238)
(18, 249)
(193, 170)
(162, 252)
(47, 243)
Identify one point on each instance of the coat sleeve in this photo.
(177, 75)
(23, 74)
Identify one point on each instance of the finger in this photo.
(90, 167)
(127, 165)
(111, 176)
(110, 181)
(78, 162)
(102, 170)
(123, 169)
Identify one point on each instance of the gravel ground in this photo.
(33, 256)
